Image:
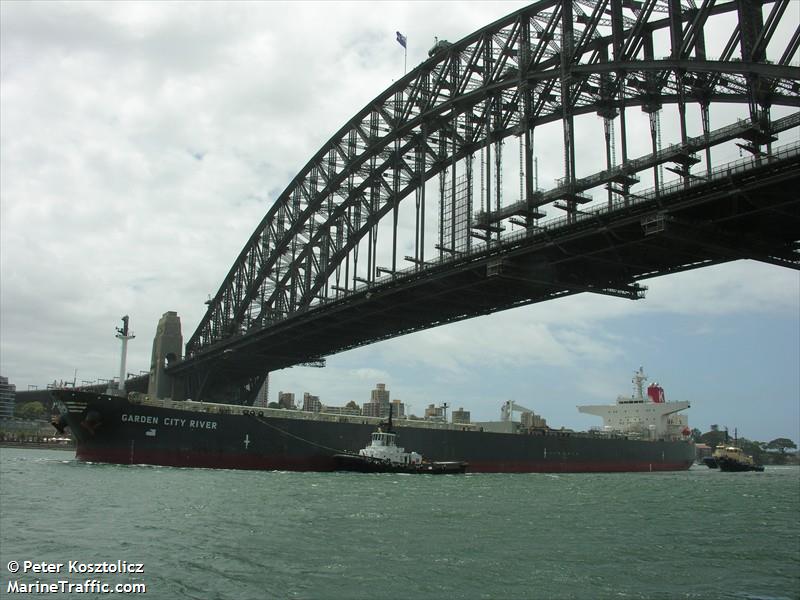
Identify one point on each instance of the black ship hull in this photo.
(115, 430)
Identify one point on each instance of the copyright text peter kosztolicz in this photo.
(69, 577)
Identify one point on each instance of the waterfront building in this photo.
(531, 419)
(461, 416)
(378, 405)
(434, 413)
(311, 403)
(8, 393)
(262, 398)
(286, 400)
(380, 394)
(372, 409)
(398, 409)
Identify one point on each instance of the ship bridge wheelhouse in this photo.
(383, 439)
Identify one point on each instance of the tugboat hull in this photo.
(366, 464)
(734, 466)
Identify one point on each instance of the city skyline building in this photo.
(8, 392)
(286, 400)
(380, 394)
(398, 409)
(434, 413)
(262, 398)
(311, 403)
(379, 403)
(461, 416)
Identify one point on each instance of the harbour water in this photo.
(208, 534)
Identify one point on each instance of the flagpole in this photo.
(403, 41)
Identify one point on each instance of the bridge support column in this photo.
(167, 347)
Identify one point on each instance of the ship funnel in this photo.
(656, 393)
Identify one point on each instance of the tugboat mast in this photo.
(124, 335)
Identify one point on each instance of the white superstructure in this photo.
(382, 447)
(650, 416)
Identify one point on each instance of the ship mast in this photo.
(638, 381)
(124, 335)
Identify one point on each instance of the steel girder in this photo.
(548, 62)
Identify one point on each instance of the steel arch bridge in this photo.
(335, 263)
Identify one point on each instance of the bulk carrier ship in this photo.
(639, 434)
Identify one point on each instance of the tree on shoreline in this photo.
(781, 445)
(30, 410)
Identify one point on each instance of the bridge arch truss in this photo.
(334, 229)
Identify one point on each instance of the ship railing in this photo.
(280, 413)
(218, 408)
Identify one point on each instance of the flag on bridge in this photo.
(401, 39)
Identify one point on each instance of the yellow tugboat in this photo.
(732, 458)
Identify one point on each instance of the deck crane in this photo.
(506, 411)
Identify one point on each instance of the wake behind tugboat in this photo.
(383, 455)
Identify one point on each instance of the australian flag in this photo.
(401, 39)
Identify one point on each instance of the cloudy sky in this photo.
(143, 142)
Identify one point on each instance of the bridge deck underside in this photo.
(752, 215)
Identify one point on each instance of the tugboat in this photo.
(731, 458)
(383, 455)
